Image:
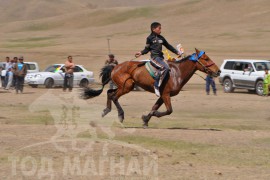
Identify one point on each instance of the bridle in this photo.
(196, 57)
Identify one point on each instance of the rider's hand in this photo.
(180, 54)
(138, 54)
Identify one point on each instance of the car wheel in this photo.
(259, 88)
(33, 85)
(48, 83)
(84, 83)
(228, 86)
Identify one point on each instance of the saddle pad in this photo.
(152, 70)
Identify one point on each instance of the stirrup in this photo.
(157, 91)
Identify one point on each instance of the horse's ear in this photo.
(197, 51)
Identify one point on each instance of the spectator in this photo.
(210, 81)
(248, 67)
(68, 79)
(111, 62)
(14, 76)
(1, 68)
(8, 65)
(266, 83)
(20, 70)
(10, 78)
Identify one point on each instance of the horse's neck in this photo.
(187, 69)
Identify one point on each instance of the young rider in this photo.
(154, 44)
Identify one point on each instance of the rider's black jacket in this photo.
(154, 44)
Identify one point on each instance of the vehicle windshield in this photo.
(261, 66)
(53, 68)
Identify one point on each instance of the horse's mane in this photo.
(183, 59)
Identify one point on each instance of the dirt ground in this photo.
(207, 137)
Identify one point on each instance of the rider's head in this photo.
(156, 27)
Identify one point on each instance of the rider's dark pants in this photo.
(163, 68)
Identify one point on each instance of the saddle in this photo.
(155, 73)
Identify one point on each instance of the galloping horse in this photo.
(129, 73)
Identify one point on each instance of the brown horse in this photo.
(129, 73)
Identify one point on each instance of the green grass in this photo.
(38, 27)
(31, 42)
(34, 39)
(201, 153)
(108, 18)
(165, 144)
(28, 45)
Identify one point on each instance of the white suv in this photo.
(243, 74)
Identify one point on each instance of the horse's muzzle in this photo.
(218, 73)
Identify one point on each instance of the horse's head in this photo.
(205, 64)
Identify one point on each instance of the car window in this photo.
(248, 67)
(229, 65)
(261, 66)
(63, 69)
(3, 65)
(53, 68)
(78, 69)
(239, 66)
(30, 66)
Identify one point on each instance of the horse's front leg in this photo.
(166, 99)
(146, 118)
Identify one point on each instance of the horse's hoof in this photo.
(121, 119)
(145, 126)
(105, 112)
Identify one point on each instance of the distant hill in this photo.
(17, 10)
(220, 26)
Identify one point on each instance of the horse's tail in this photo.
(105, 75)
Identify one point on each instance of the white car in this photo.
(31, 67)
(243, 74)
(54, 76)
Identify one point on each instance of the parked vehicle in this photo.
(31, 67)
(243, 74)
(54, 76)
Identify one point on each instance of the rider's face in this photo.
(157, 30)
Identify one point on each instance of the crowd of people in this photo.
(15, 71)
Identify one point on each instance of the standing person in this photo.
(1, 68)
(15, 59)
(154, 44)
(210, 81)
(10, 78)
(68, 79)
(111, 62)
(266, 83)
(20, 70)
(8, 65)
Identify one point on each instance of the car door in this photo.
(237, 73)
(249, 76)
(78, 75)
(58, 75)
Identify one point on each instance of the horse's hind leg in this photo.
(123, 88)
(110, 94)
